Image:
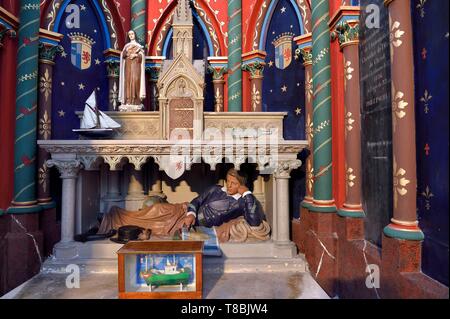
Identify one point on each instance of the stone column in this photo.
(306, 53)
(47, 56)
(322, 140)
(256, 70)
(282, 176)
(113, 68)
(153, 73)
(138, 19)
(24, 200)
(135, 195)
(219, 86)
(348, 36)
(258, 191)
(69, 170)
(113, 196)
(235, 56)
(404, 224)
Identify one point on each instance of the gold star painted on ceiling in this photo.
(83, 7)
(81, 86)
(61, 113)
(284, 88)
(97, 61)
(64, 55)
(298, 111)
(283, 10)
(62, 83)
(270, 63)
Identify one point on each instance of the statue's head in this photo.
(235, 180)
(132, 35)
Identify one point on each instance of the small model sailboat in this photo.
(95, 123)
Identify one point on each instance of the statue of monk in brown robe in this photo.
(132, 75)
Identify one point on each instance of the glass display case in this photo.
(160, 270)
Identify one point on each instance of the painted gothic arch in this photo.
(107, 13)
(207, 19)
(262, 15)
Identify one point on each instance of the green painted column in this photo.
(24, 200)
(323, 193)
(235, 56)
(138, 19)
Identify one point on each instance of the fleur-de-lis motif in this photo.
(427, 194)
(398, 105)
(256, 98)
(421, 7)
(399, 182)
(349, 121)
(45, 125)
(348, 70)
(43, 176)
(309, 176)
(309, 129)
(114, 96)
(46, 85)
(395, 36)
(425, 99)
(219, 101)
(309, 87)
(350, 177)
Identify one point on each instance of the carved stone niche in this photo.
(181, 86)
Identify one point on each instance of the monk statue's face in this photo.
(232, 185)
(132, 35)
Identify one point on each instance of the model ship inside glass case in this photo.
(160, 269)
(160, 272)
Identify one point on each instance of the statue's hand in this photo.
(189, 221)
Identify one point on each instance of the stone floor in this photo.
(259, 285)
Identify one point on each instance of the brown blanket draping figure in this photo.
(232, 210)
(162, 219)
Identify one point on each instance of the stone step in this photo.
(210, 265)
(106, 249)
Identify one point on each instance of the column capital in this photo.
(218, 66)
(256, 69)
(306, 53)
(47, 52)
(346, 32)
(8, 25)
(68, 169)
(6, 32)
(112, 61)
(254, 62)
(285, 167)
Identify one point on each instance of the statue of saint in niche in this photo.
(132, 75)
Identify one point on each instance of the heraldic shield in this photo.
(283, 50)
(81, 50)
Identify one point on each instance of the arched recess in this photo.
(106, 11)
(205, 16)
(262, 15)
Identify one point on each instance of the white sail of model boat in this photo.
(93, 118)
(95, 123)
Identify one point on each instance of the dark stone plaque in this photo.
(376, 120)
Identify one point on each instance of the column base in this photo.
(24, 209)
(284, 249)
(404, 232)
(48, 205)
(322, 209)
(65, 250)
(306, 204)
(351, 213)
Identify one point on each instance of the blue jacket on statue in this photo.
(215, 207)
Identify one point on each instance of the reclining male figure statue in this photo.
(233, 210)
